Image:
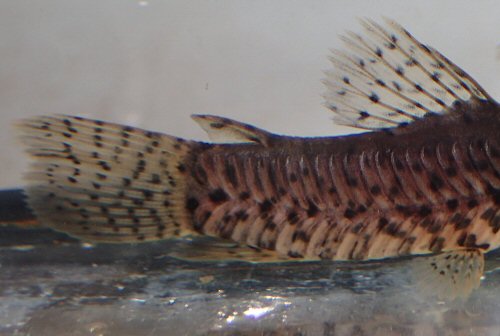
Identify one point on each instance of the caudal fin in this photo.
(105, 182)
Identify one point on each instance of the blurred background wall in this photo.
(154, 63)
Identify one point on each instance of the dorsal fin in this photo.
(387, 78)
(226, 130)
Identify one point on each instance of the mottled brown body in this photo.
(429, 186)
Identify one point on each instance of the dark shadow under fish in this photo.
(425, 180)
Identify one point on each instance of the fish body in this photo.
(429, 187)
(424, 179)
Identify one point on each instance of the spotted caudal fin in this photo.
(448, 275)
(226, 130)
(105, 182)
(386, 78)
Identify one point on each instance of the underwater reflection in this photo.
(58, 285)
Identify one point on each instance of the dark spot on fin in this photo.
(226, 130)
(448, 275)
(119, 192)
(359, 82)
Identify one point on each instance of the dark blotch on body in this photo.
(192, 204)
(349, 213)
(424, 211)
(435, 182)
(265, 206)
(452, 204)
(218, 196)
(312, 210)
(231, 174)
(244, 196)
(375, 190)
(292, 217)
(382, 222)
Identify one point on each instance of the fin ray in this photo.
(223, 250)
(449, 275)
(105, 182)
(388, 78)
(221, 129)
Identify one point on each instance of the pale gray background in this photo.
(152, 64)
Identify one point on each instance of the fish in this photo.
(421, 179)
